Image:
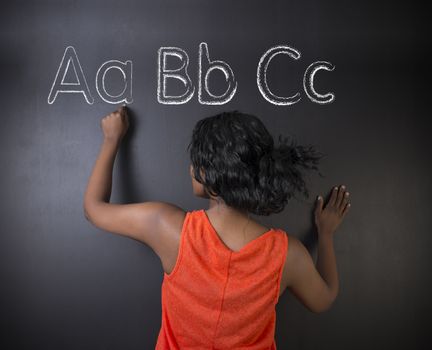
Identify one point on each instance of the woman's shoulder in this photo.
(295, 247)
(297, 254)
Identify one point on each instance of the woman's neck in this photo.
(220, 209)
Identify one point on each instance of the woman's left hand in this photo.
(115, 124)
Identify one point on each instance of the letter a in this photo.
(125, 69)
(80, 86)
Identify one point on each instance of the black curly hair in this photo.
(242, 165)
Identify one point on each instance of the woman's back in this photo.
(218, 292)
(219, 298)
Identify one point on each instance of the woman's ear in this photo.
(202, 174)
(191, 170)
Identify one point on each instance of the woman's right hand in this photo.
(327, 219)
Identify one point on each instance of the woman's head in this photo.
(234, 159)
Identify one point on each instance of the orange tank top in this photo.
(216, 298)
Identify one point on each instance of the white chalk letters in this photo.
(204, 64)
(125, 69)
(80, 86)
(308, 81)
(262, 75)
(70, 65)
(178, 73)
(308, 78)
(70, 59)
(205, 67)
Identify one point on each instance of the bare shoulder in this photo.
(295, 250)
(171, 222)
(171, 217)
(303, 279)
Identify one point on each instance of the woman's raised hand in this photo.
(329, 217)
(115, 124)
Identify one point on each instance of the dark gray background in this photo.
(68, 285)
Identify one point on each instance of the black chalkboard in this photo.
(68, 285)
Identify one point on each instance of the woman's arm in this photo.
(317, 286)
(146, 222)
(114, 127)
(326, 265)
(327, 221)
(100, 181)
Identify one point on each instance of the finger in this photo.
(346, 209)
(333, 196)
(319, 205)
(124, 112)
(340, 195)
(344, 200)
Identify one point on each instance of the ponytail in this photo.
(242, 165)
(282, 172)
